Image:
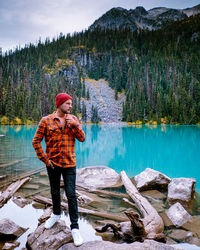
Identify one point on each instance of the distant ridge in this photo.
(139, 18)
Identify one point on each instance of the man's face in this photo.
(66, 106)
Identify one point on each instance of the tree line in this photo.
(158, 71)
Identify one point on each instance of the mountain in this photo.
(155, 73)
(139, 18)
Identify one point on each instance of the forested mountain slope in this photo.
(157, 70)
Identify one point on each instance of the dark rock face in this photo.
(140, 18)
(9, 230)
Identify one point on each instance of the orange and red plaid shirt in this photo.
(60, 143)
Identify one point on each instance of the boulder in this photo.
(166, 220)
(50, 239)
(151, 179)
(178, 215)
(47, 213)
(180, 235)
(10, 246)
(153, 194)
(97, 177)
(9, 230)
(20, 202)
(193, 225)
(181, 190)
(105, 245)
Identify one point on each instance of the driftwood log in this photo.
(47, 201)
(109, 193)
(8, 193)
(126, 232)
(8, 181)
(153, 223)
(12, 163)
(150, 226)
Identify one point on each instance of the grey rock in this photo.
(192, 11)
(106, 245)
(166, 219)
(47, 213)
(186, 246)
(97, 177)
(20, 202)
(9, 246)
(10, 230)
(151, 179)
(51, 239)
(154, 194)
(193, 225)
(181, 190)
(180, 235)
(103, 98)
(178, 215)
(194, 241)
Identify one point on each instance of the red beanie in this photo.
(62, 97)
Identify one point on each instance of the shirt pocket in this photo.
(54, 132)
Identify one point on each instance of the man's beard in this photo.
(64, 111)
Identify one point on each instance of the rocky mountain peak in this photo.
(192, 11)
(140, 11)
(139, 17)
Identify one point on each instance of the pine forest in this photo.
(159, 72)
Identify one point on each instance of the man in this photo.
(60, 130)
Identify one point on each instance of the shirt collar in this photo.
(54, 116)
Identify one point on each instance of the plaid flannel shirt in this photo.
(60, 143)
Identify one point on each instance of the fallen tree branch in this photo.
(124, 231)
(8, 181)
(44, 200)
(8, 193)
(137, 229)
(110, 194)
(153, 223)
(12, 163)
(36, 192)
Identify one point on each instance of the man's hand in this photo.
(50, 164)
(70, 120)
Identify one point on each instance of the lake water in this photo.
(172, 150)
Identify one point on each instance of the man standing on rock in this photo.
(60, 130)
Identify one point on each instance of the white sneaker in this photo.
(78, 240)
(51, 221)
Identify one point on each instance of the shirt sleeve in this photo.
(38, 137)
(77, 130)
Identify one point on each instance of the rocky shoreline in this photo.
(174, 200)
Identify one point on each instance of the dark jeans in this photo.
(69, 178)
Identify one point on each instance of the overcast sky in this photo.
(25, 21)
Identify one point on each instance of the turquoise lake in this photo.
(172, 150)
